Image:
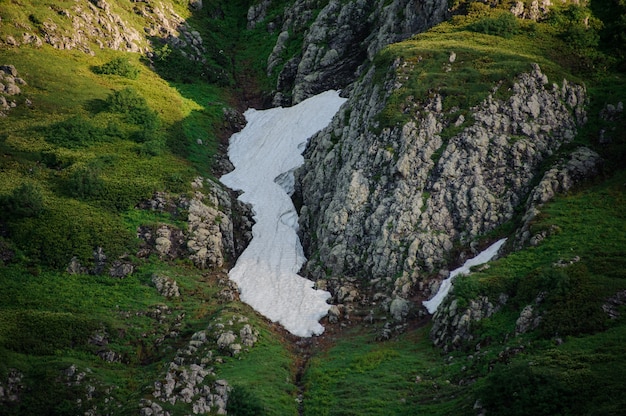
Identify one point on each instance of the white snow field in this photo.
(265, 154)
(446, 285)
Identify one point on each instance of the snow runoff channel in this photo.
(483, 257)
(265, 154)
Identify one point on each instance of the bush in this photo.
(69, 229)
(118, 66)
(577, 27)
(77, 132)
(242, 402)
(573, 295)
(134, 107)
(42, 333)
(521, 390)
(504, 25)
(25, 201)
(126, 100)
(85, 183)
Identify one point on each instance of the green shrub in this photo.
(573, 295)
(504, 25)
(118, 66)
(126, 100)
(172, 65)
(43, 333)
(154, 147)
(77, 132)
(577, 26)
(69, 229)
(85, 183)
(521, 390)
(53, 160)
(25, 201)
(242, 402)
(135, 109)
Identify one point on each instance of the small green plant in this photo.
(118, 66)
(136, 111)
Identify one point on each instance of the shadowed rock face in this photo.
(340, 38)
(392, 204)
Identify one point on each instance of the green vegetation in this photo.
(106, 132)
(361, 376)
(118, 66)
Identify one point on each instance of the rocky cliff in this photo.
(391, 205)
(338, 39)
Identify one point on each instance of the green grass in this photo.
(482, 61)
(47, 315)
(361, 376)
(266, 373)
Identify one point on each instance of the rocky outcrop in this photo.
(452, 323)
(190, 378)
(534, 10)
(218, 226)
(80, 27)
(163, 23)
(339, 37)
(166, 286)
(210, 230)
(581, 164)
(389, 204)
(10, 87)
(99, 24)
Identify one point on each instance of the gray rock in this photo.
(226, 339)
(166, 286)
(399, 309)
(121, 269)
(9, 69)
(249, 336)
(99, 259)
(195, 5)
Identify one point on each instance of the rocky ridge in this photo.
(339, 38)
(400, 199)
(97, 23)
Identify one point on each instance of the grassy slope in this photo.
(45, 314)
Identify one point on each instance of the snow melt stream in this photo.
(446, 285)
(265, 154)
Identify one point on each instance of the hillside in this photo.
(464, 123)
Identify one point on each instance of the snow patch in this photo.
(446, 285)
(265, 155)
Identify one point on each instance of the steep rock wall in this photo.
(339, 37)
(390, 205)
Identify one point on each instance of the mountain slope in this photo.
(115, 238)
